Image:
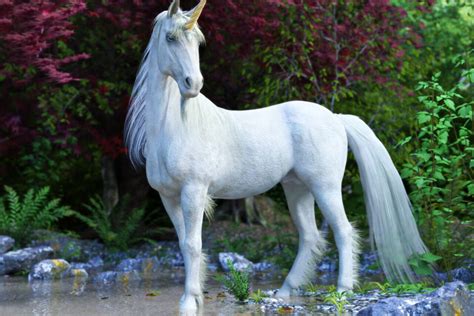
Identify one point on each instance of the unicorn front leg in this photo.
(193, 203)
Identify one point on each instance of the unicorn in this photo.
(194, 152)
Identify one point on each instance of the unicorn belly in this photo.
(246, 183)
(257, 157)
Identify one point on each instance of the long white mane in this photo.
(135, 131)
(135, 134)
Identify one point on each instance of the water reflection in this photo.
(156, 294)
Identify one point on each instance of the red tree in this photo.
(30, 55)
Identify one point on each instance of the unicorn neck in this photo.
(169, 116)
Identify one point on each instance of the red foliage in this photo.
(29, 30)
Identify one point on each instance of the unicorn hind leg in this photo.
(311, 244)
(329, 201)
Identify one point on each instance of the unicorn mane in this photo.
(135, 136)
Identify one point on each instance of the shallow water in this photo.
(146, 297)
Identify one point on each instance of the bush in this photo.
(440, 170)
(118, 229)
(115, 236)
(19, 218)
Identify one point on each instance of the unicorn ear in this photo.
(194, 15)
(174, 7)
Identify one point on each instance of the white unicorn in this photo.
(194, 151)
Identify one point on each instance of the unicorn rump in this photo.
(193, 151)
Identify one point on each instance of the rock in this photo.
(176, 259)
(81, 265)
(96, 262)
(2, 266)
(327, 265)
(393, 306)
(142, 265)
(6, 243)
(78, 273)
(49, 269)
(263, 266)
(239, 262)
(451, 299)
(24, 259)
(463, 274)
(93, 265)
(368, 264)
(441, 276)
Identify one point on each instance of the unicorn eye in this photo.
(170, 37)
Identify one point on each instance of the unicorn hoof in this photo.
(284, 292)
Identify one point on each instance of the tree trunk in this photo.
(110, 193)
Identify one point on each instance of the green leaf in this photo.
(465, 111)
(404, 141)
(423, 117)
(429, 257)
(450, 104)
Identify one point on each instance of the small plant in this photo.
(114, 229)
(383, 287)
(258, 296)
(20, 217)
(370, 286)
(338, 299)
(237, 282)
(396, 289)
(422, 264)
(410, 288)
(314, 288)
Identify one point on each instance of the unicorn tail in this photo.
(393, 228)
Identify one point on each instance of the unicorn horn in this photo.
(195, 14)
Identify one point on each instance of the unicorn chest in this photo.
(169, 168)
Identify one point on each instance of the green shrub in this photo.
(338, 299)
(236, 282)
(258, 296)
(396, 289)
(441, 168)
(20, 217)
(116, 230)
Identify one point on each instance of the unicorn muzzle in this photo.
(191, 86)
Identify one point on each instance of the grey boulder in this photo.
(6, 243)
(239, 262)
(50, 269)
(451, 299)
(24, 259)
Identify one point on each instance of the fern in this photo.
(22, 216)
(114, 229)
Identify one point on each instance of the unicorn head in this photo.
(178, 37)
